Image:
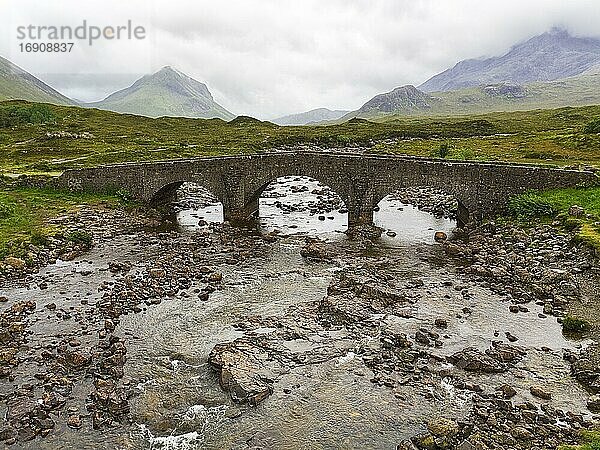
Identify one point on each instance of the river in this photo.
(177, 402)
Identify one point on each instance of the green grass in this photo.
(590, 441)
(556, 204)
(79, 137)
(24, 213)
(572, 324)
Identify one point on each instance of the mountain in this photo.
(167, 92)
(580, 90)
(16, 83)
(312, 116)
(402, 100)
(547, 57)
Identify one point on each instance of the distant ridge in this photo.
(312, 116)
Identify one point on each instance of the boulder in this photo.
(245, 370)
(473, 360)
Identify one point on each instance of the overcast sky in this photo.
(267, 58)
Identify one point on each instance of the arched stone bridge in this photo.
(481, 189)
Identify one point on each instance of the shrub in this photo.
(592, 127)
(124, 195)
(591, 441)
(442, 151)
(529, 205)
(39, 239)
(79, 237)
(572, 324)
(463, 153)
(7, 210)
(16, 115)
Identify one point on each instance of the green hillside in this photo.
(49, 138)
(167, 92)
(15, 83)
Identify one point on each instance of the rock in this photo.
(505, 353)
(452, 249)
(593, 403)
(576, 211)
(521, 434)
(315, 249)
(539, 392)
(406, 445)
(16, 263)
(508, 391)
(157, 273)
(473, 360)
(244, 370)
(74, 421)
(215, 277)
(441, 323)
(7, 433)
(440, 236)
(444, 432)
(77, 359)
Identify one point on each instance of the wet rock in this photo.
(441, 323)
(76, 358)
(245, 370)
(473, 360)
(316, 249)
(215, 277)
(406, 445)
(593, 403)
(157, 273)
(8, 432)
(540, 392)
(74, 422)
(444, 432)
(505, 353)
(440, 236)
(507, 391)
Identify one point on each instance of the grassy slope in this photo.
(536, 136)
(18, 88)
(24, 213)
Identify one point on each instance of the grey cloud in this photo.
(272, 57)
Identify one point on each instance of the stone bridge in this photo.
(482, 189)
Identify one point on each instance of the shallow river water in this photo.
(179, 403)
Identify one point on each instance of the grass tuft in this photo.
(572, 324)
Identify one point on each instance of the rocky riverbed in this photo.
(293, 335)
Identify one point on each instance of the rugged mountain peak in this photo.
(549, 56)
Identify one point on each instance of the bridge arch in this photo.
(303, 204)
(464, 212)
